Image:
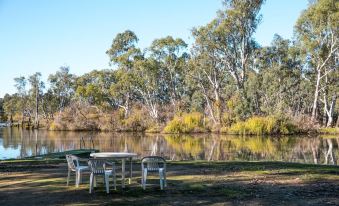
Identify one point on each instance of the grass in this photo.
(189, 183)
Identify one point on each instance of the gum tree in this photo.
(172, 57)
(123, 53)
(317, 32)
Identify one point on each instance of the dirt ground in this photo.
(189, 183)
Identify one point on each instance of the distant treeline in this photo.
(224, 82)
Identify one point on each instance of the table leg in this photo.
(123, 173)
(130, 170)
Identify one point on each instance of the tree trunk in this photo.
(36, 121)
(218, 105)
(330, 112)
(316, 95)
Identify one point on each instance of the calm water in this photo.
(17, 143)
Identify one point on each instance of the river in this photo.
(19, 143)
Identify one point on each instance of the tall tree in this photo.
(206, 72)
(2, 111)
(62, 86)
(124, 53)
(233, 37)
(20, 84)
(94, 87)
(146, 80)
(280, 74)
(36, 91)
(317, 31)
(224, 48)
(172, 58)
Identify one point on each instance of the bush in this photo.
(329, 130)
(54, 126)
(135, 122)
(261, 126)
(185, 123)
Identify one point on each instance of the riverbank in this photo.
(43, 182)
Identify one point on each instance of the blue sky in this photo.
(41, 36)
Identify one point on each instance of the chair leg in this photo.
(95, 181)
(91, 183)
(144, 179)
(80, 177)
(106, 177)
(161, 179)
(68, 176)
(115, 180)
(76, 178)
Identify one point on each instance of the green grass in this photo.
(189, 183)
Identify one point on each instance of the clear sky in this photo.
(41, 35)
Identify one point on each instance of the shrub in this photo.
(134, 122)
(153, 128)
(55, 126)
(185, 123)
(174, 126)
(329, 130)
(262, 125)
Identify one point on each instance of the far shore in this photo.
(320, 131)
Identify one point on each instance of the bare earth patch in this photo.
(189, 183)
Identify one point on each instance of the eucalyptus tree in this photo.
(122, 90)
(9, 105)
(206, 72)
(233, 31)
(62, 87)
(223, 49)
(330, 97)
(123, 53)
(20, 85)
(2, 111)
(94, 87)
(280, 75)
(148, 85)
(317, 32)
(172, 57)
(36, 91)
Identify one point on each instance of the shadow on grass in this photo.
(48, 186)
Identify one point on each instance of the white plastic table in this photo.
(118, 155)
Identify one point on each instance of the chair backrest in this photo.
(72, 161)
(97, 166)
(153, 163)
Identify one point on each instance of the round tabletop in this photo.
(113, 154)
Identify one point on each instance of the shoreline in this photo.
(320, 131)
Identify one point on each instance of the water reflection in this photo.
(16, 143)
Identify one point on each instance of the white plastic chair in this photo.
(73, 163)
(153, 164)
(98, 167)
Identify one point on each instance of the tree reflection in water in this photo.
(317, 149)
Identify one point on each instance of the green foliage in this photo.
(123, 50)
(185, 123)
